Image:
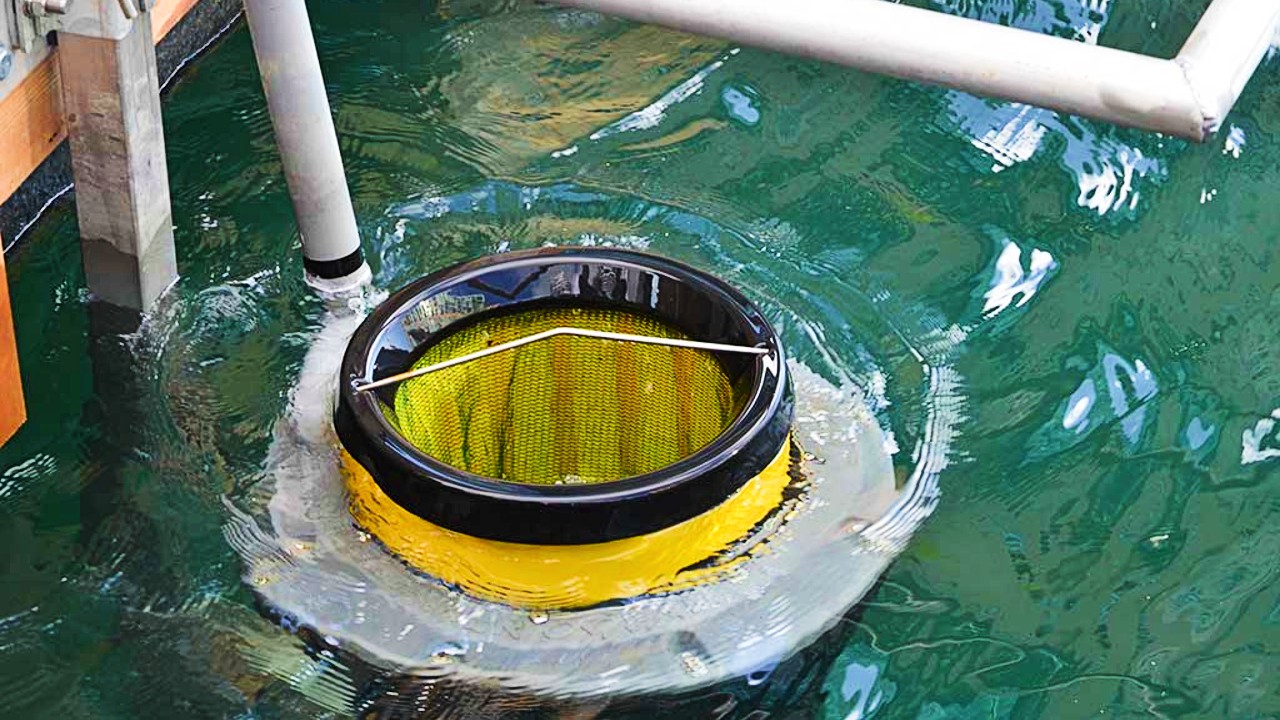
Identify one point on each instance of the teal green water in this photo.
(1107, 542)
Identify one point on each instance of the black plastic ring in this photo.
(331, 269)
(705, 308)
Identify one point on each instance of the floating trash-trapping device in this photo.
(557, 430)
(572, 472)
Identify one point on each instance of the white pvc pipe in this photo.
(1187, 97)
(299, 106)
(1223, 52)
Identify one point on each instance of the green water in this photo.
(1107, 541)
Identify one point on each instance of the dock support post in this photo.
(111, 100)
(308, 143)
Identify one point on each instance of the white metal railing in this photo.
(1187, 96)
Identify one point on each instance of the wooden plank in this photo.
(166, 14)
(12, 408)
(31, 124)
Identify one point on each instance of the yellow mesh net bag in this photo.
(565, 409)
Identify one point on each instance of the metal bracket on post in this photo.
(21, 49)
(24, 24)
(104, 19)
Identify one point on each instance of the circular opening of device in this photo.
(567, 408)
(563, 396)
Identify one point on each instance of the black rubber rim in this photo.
(703, 306)
(331, 269)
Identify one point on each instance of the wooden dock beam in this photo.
(12, 409)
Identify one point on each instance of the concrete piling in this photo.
(111, 101)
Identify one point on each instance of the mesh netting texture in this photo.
(565, 409)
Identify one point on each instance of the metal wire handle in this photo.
(580, 332)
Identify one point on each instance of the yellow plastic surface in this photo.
(571, 576)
